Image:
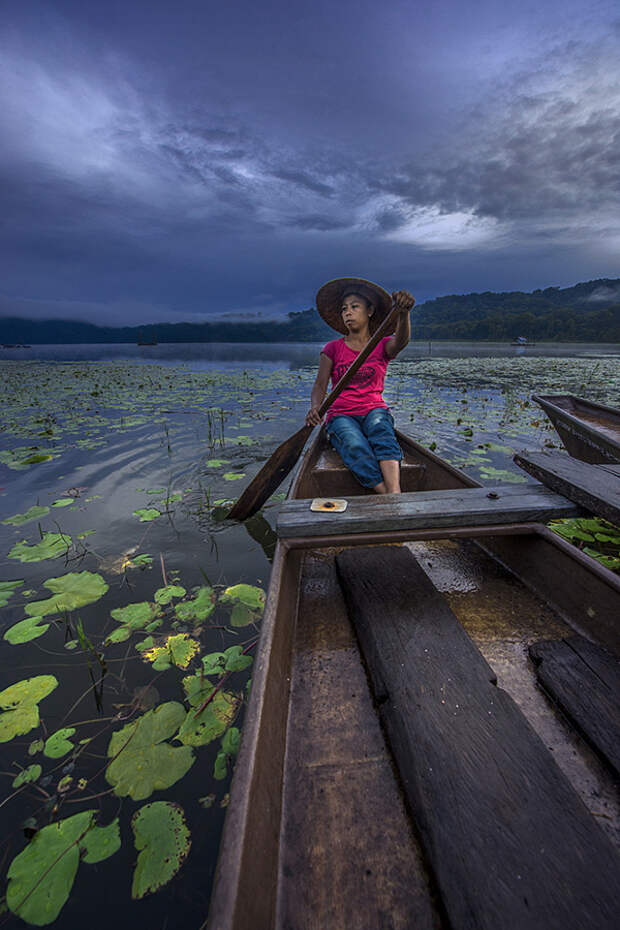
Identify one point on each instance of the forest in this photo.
(587, 312)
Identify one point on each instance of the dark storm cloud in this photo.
(210, 159)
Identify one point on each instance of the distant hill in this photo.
(587, 312)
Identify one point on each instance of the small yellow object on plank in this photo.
(328, 505)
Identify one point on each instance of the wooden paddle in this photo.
(275, 470)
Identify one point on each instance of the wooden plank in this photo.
(348, 856)
(510, 842)
(584, 679)
(590, 486)
(531, 503)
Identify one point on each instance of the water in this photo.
(114, 423)
(294, 355)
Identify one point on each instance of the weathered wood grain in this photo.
(593, 487)
(584, 679)
(531, 503)
(510, 843)
(347, 855)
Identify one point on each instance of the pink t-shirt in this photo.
(363, 394)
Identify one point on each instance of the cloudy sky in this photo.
(199, 159)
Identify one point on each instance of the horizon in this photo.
(203, 163)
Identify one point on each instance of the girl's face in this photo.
(355, 313)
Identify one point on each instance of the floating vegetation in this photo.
(199, 608)
(178, 649)
(248, 603)
(52, 546)
(70, 591)
(169, 593)
(142, 762)
(30, 774)
(147, 514)
(25, 631)
(41, 877)
(162, 839)
(594, 536)
(58, 744)
(20, 705)
(33, 513)
(7, 589)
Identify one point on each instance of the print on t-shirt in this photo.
(362, 378)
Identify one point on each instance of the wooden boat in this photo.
(344, 815)
(589, 431)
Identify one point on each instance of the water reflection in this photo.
(212, 355)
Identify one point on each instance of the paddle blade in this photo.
(271, 475)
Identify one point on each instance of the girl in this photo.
(359, 424)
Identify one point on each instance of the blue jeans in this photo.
(363, 442)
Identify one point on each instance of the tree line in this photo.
(587, 312)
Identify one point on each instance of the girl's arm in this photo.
(404, 302)
(319, 389)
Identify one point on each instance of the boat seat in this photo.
(333, 477)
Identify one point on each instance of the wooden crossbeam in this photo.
(421, 510)
(595, 487)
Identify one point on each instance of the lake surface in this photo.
(135, 451)
(294, 354)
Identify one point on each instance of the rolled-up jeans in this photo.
(363, 442)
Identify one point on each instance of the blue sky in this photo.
(203, 160)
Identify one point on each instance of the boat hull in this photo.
(317, 833)
(590, 432)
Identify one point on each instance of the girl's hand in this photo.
(312, 417)
(403, 301)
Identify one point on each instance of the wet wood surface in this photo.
(531, 503)
(509, 841)
(347, 854)
(593, 487)
(584, 679)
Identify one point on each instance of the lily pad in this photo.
(70, 591)
(178, 649)
(163, 841)
(235, 661)
(214, 663)
(63, 502)
(42, 875)
(199, 608)
(229, 749)
(142, 762)
(33, 513)
(25, 630)
(217, 463)
(147, 514)
(52, 546)
(21, 705)
(7, 589)
(248, 603)
(101, 842)
(137, 616)
(167, 594)
(27, 775)
(58, 745)
(233, 475)
(210, 723)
